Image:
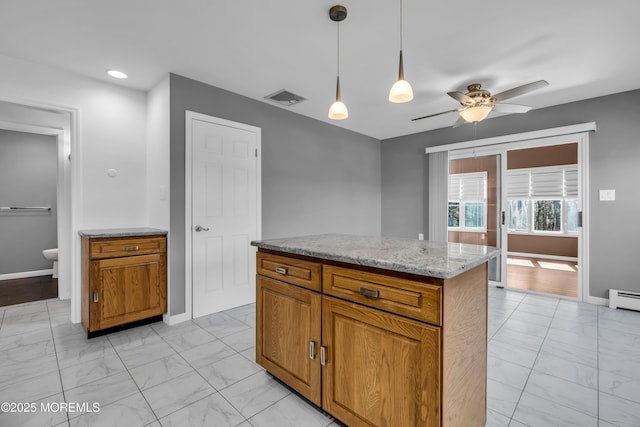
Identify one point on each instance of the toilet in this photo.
(52, 255)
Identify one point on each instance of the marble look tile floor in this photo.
(552, 362)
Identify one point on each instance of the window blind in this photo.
(518, 184)
(469, 187)
(571, 182)
(545, 182)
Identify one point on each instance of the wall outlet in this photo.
(420, 236)
(607, 195)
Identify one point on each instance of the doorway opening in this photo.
(28, 217)
(533, 190)
(58, 124)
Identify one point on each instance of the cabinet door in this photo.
(288, 329)
(128, 289)
(381, 369)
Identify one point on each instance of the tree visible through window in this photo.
(547, 215)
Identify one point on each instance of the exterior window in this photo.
(572, 215)
(543, 200)
(468, 202)
(518, 215)
(454, 215)
(547, 215)
(474, 215)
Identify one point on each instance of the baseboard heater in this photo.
(624, 299)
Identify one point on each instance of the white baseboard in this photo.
(175, 319)
(598, 301)
(24, 274)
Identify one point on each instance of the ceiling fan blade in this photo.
(520, 90)
(511, 108)
(433, 115)
(460, 97)
(459, 122)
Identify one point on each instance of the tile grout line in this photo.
(134, 381)
(55, 351)
(598, 363)
(534, 362)
(198, 372)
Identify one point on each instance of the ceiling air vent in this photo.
(286, 98)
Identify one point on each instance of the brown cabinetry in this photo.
(376, 349)
(124, 279)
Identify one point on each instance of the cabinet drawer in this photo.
(112, 248)
(292, 270)
(417, 300)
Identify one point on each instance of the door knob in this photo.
(199, 228)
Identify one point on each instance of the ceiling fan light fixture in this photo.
(475, 114)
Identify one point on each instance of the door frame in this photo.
(188, 205)
(69, 188)
(555, 136)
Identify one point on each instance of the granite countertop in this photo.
(423, 257)
(122, 232)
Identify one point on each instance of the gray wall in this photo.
(614, 161)
(28, 176)
(316, 178)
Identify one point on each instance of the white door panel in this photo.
(224, 205)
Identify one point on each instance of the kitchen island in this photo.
(377, 331)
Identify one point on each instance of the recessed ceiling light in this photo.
(117, 74)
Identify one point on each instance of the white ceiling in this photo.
(582, 48)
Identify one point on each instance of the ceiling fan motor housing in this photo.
(478, 96)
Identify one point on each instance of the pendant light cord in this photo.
(338, 49)
(400, 24)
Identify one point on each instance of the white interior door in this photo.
(224, 214)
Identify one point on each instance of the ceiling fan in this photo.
(477, 103)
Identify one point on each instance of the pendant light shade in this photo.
(338, 110)
(401, 90)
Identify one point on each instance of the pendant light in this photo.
(338, 110)
(401, 90)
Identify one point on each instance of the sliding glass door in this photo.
(475, 204)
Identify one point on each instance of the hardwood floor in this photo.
(17, 291)
(542, 275)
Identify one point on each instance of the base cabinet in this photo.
(366, 365)
(124, 280)
(381, 369)
(288, 335)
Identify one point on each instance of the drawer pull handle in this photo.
(131, 248)
(323, 355)
(312, 350)
(281, 270)
(369, 293)
(95, 296)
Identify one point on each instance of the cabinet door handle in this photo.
(131, 248)
(369, 293)
(312, 350)
(323, 355)
(281, 270)
(95, 296)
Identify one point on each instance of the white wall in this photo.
(110, 133)
(158, 160)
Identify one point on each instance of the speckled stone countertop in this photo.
(122, 232)
(426, 258)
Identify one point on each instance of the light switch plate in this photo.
(607, 195)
